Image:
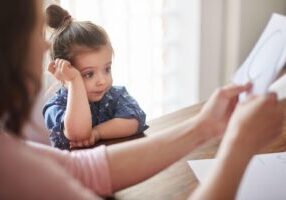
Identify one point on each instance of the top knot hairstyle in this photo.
(57, 16)
(71, 37)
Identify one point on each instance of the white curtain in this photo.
(135, 30)
(155, 56)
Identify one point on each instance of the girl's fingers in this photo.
(86, 143)
(72, 144)
(52, 67)
(57, 63)
(60, 65)
(80, 144)
(77, 144)
(92, 139)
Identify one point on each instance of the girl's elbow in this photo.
(77, 135)
(134, 126)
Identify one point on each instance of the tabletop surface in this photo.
(178, 180)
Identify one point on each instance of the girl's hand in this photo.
(94, 137)
(219, 108)
(63, 70)
(254, 124)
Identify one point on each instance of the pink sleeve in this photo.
(89, 166)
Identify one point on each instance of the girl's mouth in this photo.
(98, 93)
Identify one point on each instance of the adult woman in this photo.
(33, 171)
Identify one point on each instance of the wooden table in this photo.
(178, 180)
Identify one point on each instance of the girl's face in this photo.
(95, 68)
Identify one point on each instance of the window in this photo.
(156, 45)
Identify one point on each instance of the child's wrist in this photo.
(75, 79)
(96, 134)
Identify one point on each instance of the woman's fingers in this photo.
(257, 121)
(272, 97)
(232, 90)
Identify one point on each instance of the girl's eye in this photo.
(108, 69)
(88, 75)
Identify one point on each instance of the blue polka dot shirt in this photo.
(116, 103)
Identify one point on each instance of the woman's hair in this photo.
(17, 19)
(71, 37)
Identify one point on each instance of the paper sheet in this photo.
(267, 57)
(264, 179)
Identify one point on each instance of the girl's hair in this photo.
(71, 37)
(18, 18)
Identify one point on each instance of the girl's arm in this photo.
(77, 120)
(128, 119)
(116, 128)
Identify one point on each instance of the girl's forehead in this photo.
(96, 58)
(86, 51)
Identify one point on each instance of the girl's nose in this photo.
(101, 80)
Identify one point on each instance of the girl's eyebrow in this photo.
(85, 69)
(90, 67)
(109, 63)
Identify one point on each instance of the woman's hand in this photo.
(94, 137)
(254, 124)
(219, 108)
(63, 70)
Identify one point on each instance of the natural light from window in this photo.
(155, 56)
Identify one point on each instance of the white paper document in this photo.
(264, 179)
(279, 87)
(267, 58)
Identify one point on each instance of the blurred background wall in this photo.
(173, 53)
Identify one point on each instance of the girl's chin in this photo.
(95, 99)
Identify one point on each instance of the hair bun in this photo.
(56, 16)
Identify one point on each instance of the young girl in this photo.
(88, 108)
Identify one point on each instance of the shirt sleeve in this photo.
(127, 107)
(89, 166)
(54, 112)
(38, 171)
